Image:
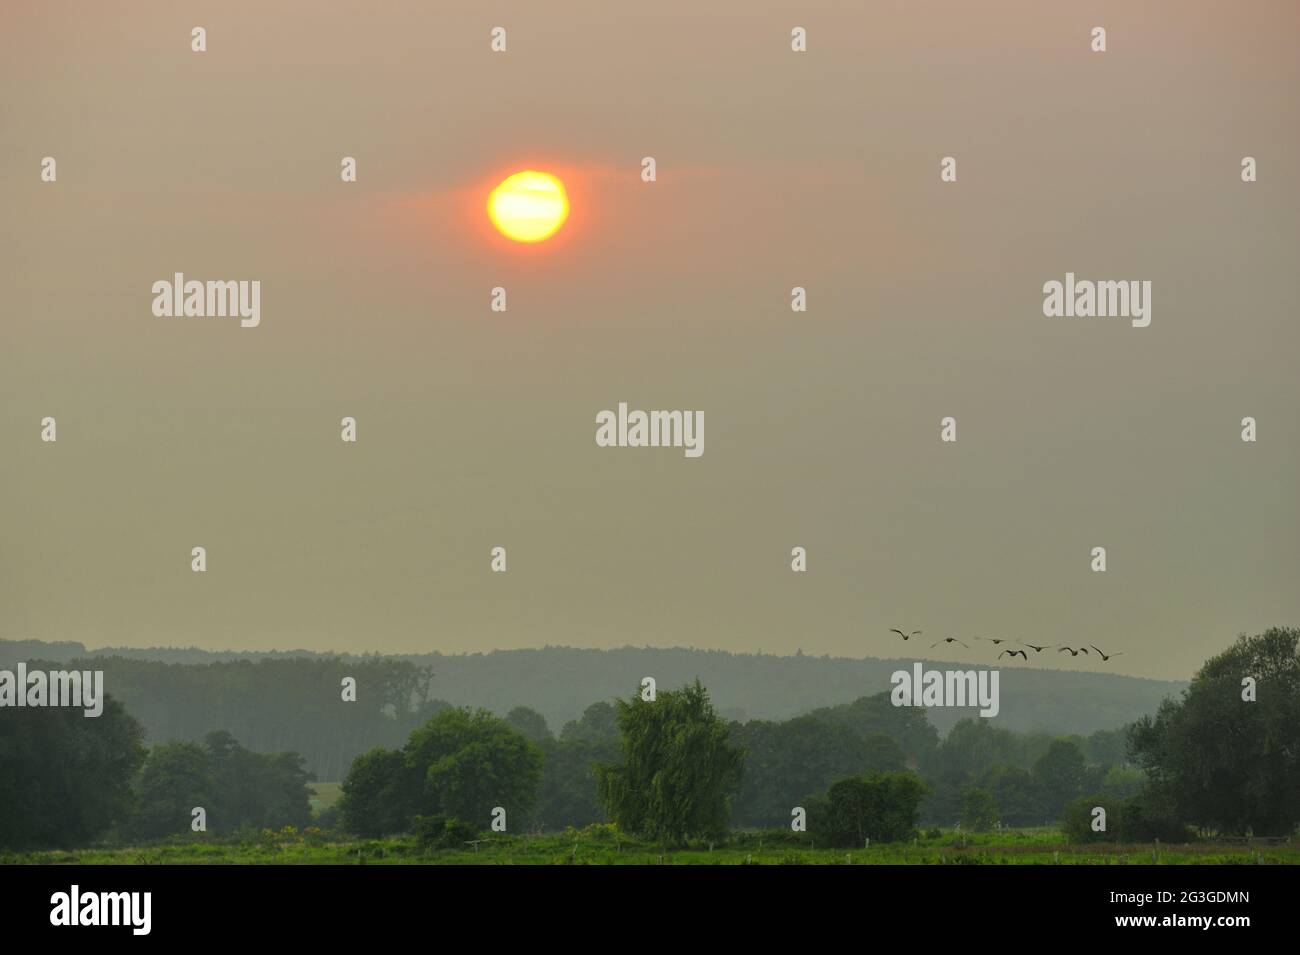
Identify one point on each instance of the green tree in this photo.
(285, 782)
(1061, 773)
(568, 791)
(65, 779)
(1122, 781)
(530, 723)
(973, 745)
(472, 762)
(1016, 794)
(979, 813)
(176, 778)
(255, 790)
(1079, 816)
(1108, 747)
(598, 724)
(1151, 814)
(380, 794)
(1220, 761)
(908, 727)
(969, 751)
(879, 806)
(678, 768)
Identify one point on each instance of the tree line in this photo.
(1220, 757)
(66, 781)
(1223, 756)
(275, 704)
(743, 686)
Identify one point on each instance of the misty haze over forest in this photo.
(560, 682)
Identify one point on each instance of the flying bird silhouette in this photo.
(993, 640)
(1047, 646)
(947, 640)
(1073, 653)
(1105, 656)
(1012, 653)
(905, 636)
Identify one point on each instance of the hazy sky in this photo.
(775, 169)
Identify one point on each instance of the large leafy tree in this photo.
(1224, 762)
(1061, 774)
(678, 769)
(471, 762)
(879, 806)
(907, 726)
(380, 795)
(1016, 793)
(1108, 747)
(255, 790)
(461, 764)
(65, 778)
(598, 724)
(530, 723)
(176, 777)
(973, 745)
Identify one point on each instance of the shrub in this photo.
(1077, 819)
(441, 832)
(1146, 817)
(879, 806)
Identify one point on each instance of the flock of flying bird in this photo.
(1024, 655)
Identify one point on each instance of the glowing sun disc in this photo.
(529, 206)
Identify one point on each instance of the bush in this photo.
(602, 832)
(1077, 819)
(1144, 817)
(441, 832)
(880, 806)
(1148, 816)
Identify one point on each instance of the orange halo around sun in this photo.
(529, 206)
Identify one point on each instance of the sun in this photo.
(529, 206)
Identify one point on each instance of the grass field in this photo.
(603, 847)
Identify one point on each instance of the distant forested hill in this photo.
(558, 682)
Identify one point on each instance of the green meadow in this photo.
(603, 845)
